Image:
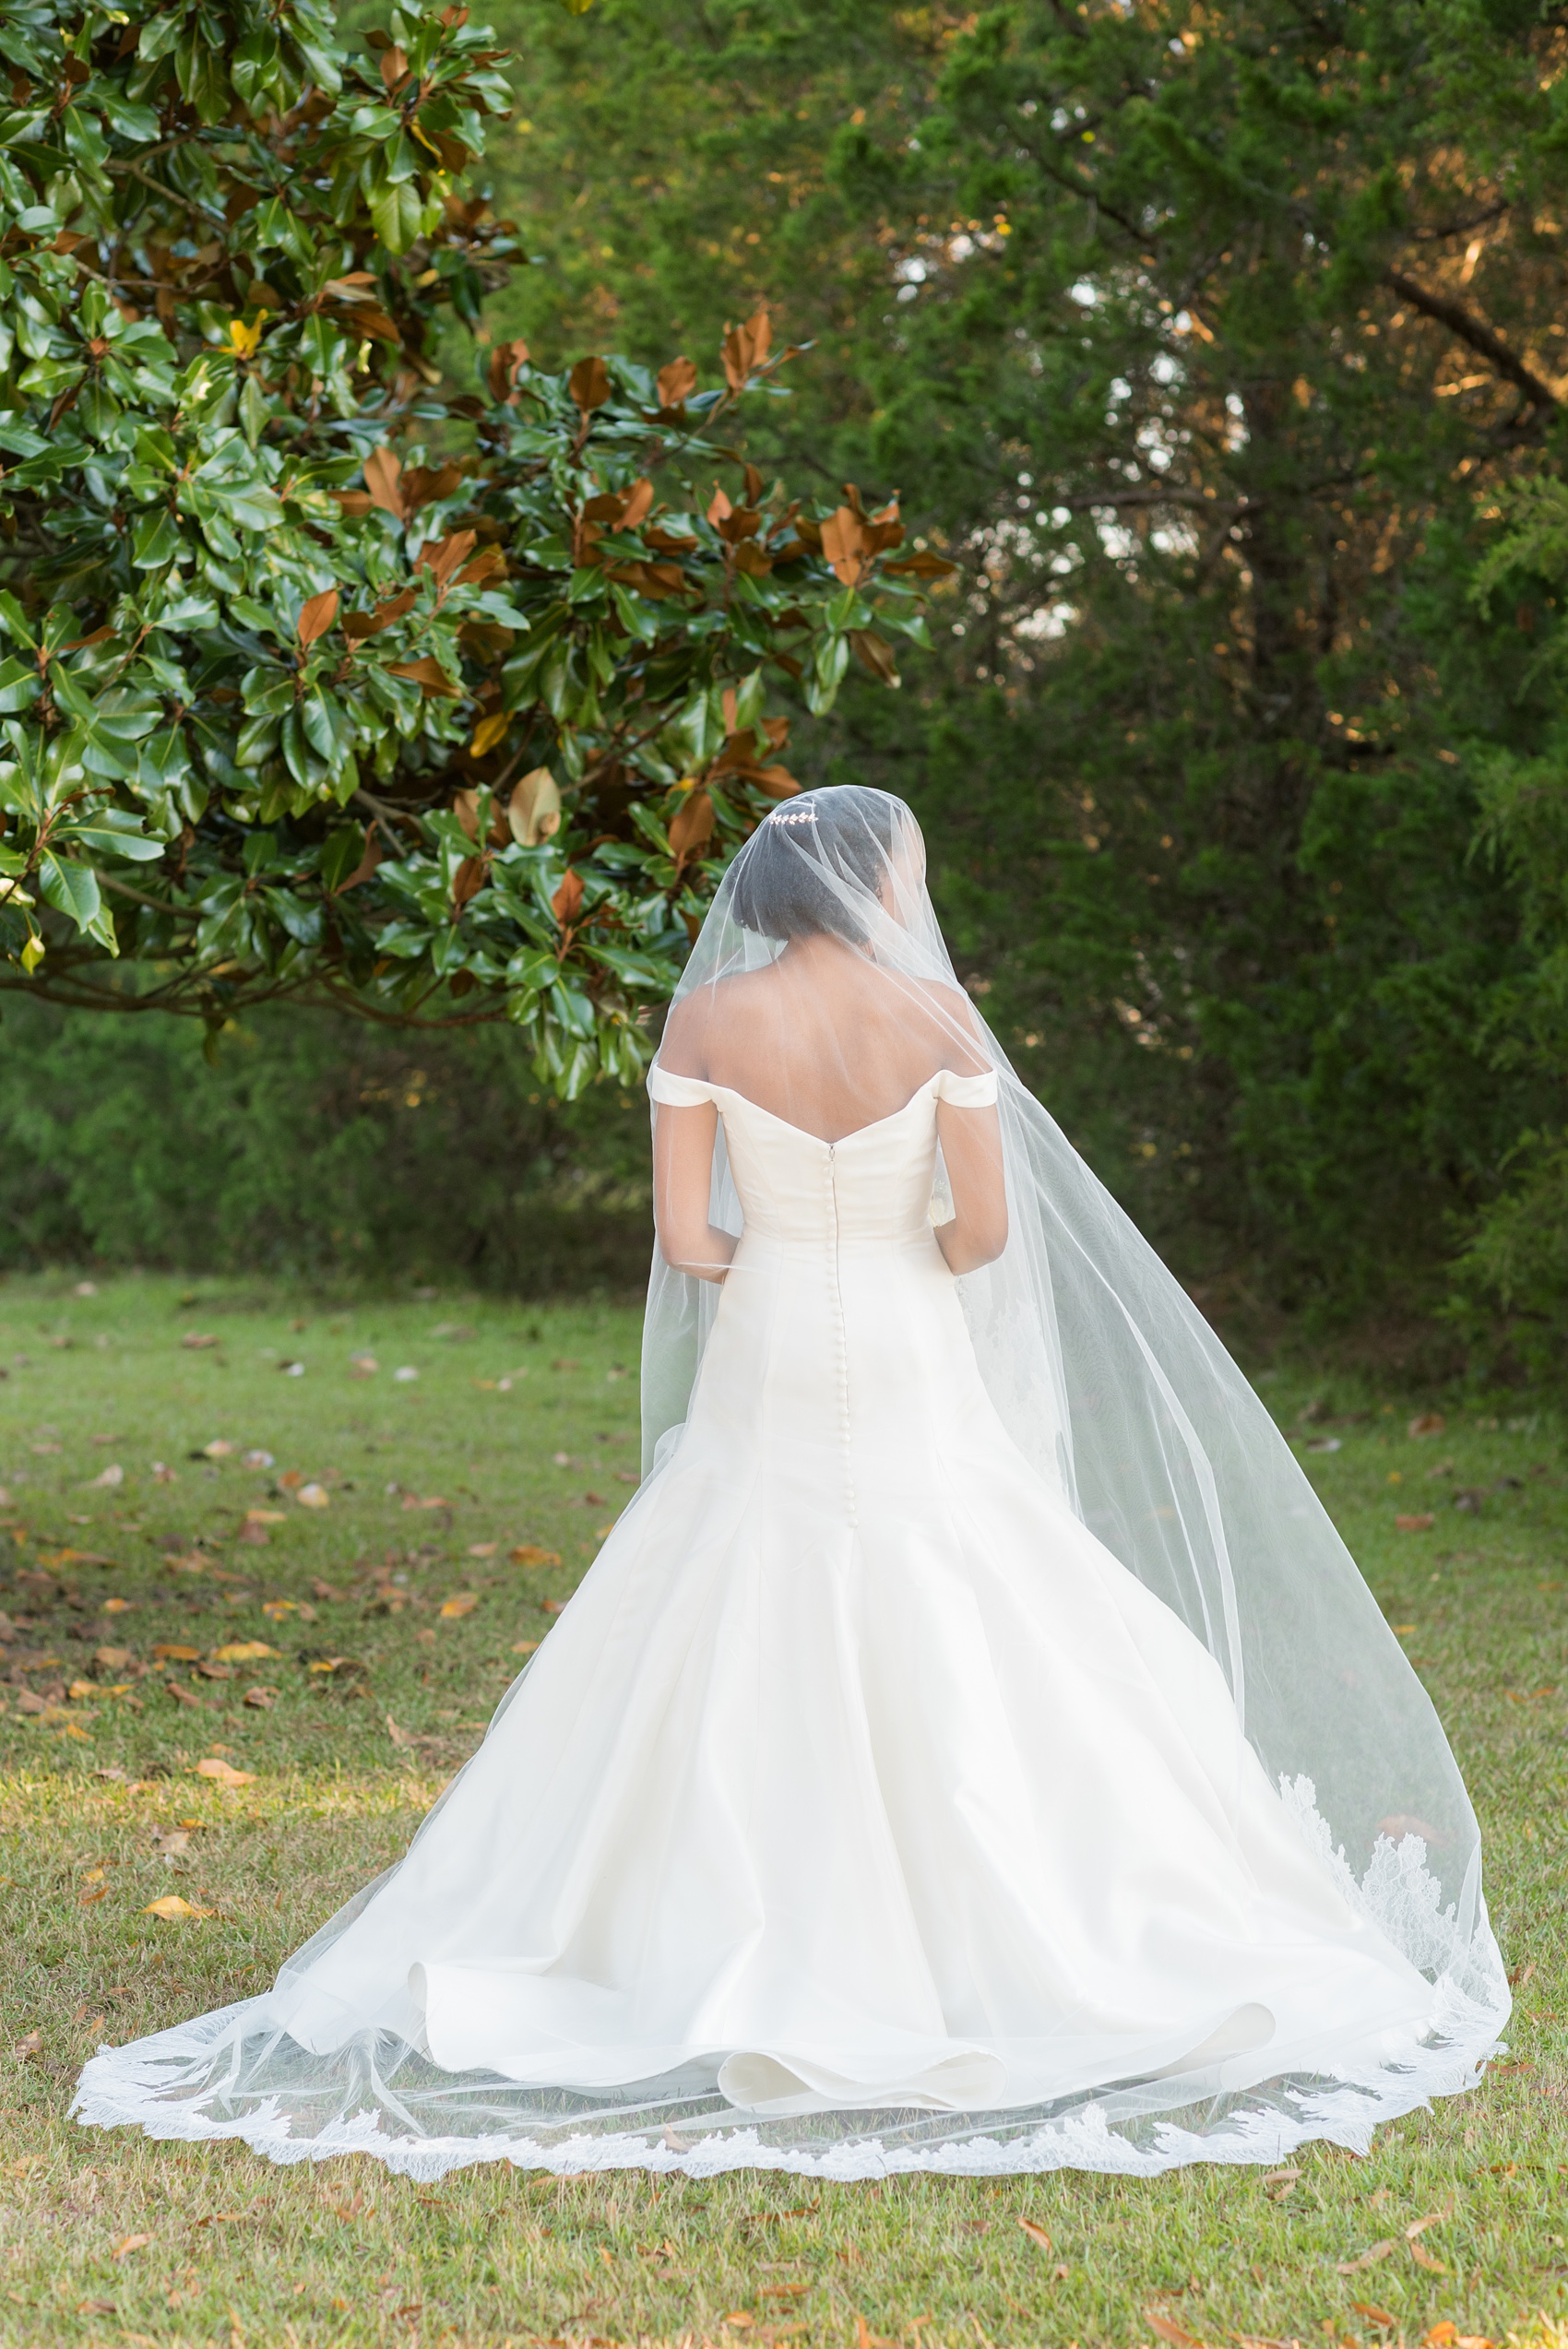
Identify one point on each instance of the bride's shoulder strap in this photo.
(965, 1092)
(677, 1092)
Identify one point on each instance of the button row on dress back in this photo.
(841, 1341)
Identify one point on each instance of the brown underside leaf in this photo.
(317, 615)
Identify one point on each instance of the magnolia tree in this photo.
(326, 674)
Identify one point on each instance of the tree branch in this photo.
(1475, 334)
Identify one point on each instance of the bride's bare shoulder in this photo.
(957, 1035)
(705, 1020)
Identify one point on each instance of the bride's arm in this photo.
(682, 1175)
(971, 1152)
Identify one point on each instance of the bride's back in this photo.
(823, 1038)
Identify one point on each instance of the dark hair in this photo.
(782, 883)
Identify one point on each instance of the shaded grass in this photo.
(240, 2251)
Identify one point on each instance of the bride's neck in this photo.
(821, 949)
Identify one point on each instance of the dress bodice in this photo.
(873, 1187)
(841, 1295)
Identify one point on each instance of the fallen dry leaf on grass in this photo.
(483, 1549)
(460, 1603)
(244, 1652)
(1168, 2330)
(225, 1773)
(27, 2047)
(129, 2244)
(529, 1554)
(1036, 2233)
(1421, 1522)
(170, 1652)
(1368, 2258)
(171, 1907)
(314, 1497)
(1374, 2315)
(524, 1647)
(95, 2307)
(261, 1700)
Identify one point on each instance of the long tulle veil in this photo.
(1116, 1390)
(1112, 1383)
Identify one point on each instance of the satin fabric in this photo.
(857, 1773)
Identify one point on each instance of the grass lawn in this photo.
(371, 1555)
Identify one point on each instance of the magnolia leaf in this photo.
(397, 211)
(316, 616)
(566, 903)
(589, 384)
(427, 674)
(70, 888)
(170, 1907)
(691, 827)
(489, 731)
(20, 684)
(533, 811)
(349, 857)
(676, 383)
(381, 472)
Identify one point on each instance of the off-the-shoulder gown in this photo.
(857, 1775)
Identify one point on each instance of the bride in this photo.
(973, 1749)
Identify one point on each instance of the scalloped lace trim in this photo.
(1137, 2130)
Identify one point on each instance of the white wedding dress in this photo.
(860, 1811)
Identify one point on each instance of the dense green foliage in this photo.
(1205, 339)
(474, 716)
(1222, 350)
(318, 1146)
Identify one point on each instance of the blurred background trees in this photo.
(1223, 350)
